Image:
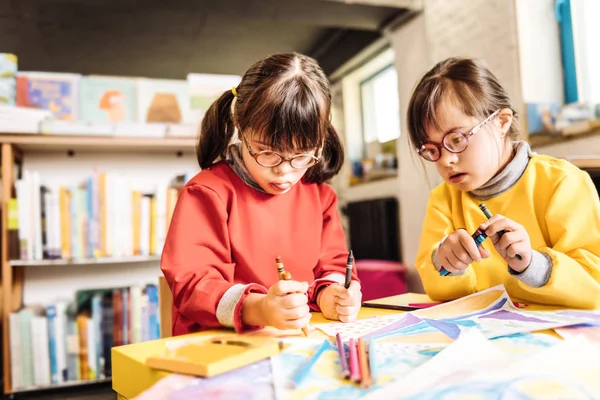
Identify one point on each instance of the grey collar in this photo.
(506, 178)
(235, 161)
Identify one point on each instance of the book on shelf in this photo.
(101, 216)
(71, 341)
(8, 83)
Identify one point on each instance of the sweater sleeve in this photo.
(436, 226)
(573, 220)
(197, 264)
(331, 267)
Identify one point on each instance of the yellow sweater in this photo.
(557, 204)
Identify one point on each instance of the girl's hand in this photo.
(515, 240)
(458, 251)
(285, 306)
(338, 303)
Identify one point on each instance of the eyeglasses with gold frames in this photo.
(271, 159)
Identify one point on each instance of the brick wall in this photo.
(485, 29)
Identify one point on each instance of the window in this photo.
(579, 41)
(380, 109)
(372, 118)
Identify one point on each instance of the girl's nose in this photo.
(283, 168)
(447, 157)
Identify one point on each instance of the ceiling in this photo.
(168, 39)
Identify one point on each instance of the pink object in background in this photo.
(381, 278)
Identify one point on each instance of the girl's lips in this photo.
(281, 185)
(456, 178)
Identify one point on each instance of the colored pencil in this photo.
(354, 367)
(364, 364)
(310, 363)
(372, 361)
(343, 359)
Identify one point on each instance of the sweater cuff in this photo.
(229, 309)
(439, 266)
(537, 274)
(321, 283)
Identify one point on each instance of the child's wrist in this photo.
(253, 313)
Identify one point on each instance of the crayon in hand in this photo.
(489, 215)
(349, 267)
(286, 276)
(478, 236)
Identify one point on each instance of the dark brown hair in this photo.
(473, 88)
(285, 100)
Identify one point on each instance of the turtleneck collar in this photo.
(508, 176)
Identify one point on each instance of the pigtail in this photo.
(216, 131)
(332, 159)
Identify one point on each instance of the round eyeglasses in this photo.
(271, 159)
(454, 142)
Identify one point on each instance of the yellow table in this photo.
(131, 376)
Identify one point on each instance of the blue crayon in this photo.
(479, 236)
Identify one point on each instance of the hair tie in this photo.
(234, 91)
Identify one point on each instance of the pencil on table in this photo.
(364, 364)
(286, 276)
(342, 353)
(310, 363)
(372, 361)
(354, 366)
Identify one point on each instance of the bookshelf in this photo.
(84, 261)
(118, 144)
(13, 150)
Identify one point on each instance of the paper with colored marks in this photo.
(590, 332)
(492, 313)
(325, 380)
(519, 366)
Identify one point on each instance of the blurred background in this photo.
(100, 104)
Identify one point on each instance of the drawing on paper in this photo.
(564, 369)
(325, 379)
(491, 312)
(590, 332)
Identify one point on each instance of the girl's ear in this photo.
(505, 119)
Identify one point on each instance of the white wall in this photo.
(46, 284)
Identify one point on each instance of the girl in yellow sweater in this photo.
(546, 228)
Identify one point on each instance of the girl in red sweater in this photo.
(266, 149)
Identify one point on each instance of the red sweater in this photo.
(224, 237)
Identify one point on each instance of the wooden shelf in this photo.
(546, 139)
(84, 261)
(62, 385)
(585, 162)
(55, 143)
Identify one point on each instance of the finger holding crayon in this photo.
(287, 276)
